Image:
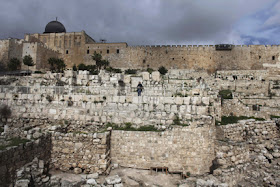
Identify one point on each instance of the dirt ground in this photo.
(130, 177)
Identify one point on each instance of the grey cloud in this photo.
(136, 22)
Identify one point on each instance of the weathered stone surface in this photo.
(113, 179)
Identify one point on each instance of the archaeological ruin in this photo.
(212, 119)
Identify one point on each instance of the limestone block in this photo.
(205, 100)
(183, 108)
(174, 108)
(179, 100)
(146, 76)
(115, 99)
(169, 100)
(113, 180)
(135, 100)
(135, 81)
(52, 111)
(156, 76)
(196, 100)
(189, 109)
(122, 99)
(201, 110)
(126, 79)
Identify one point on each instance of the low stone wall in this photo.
(13, 158)
(264, 107)
(87, 153)
(189, 149)
(250, 129)
(248, 150)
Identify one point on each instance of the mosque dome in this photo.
(54, 27)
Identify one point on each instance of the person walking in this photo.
(139, 88)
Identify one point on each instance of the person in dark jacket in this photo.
(139, 88)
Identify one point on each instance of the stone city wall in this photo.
(81, 152)
(189, 149)
(13, 158)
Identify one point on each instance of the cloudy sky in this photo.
(149, 22)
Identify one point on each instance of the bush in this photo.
(14, 64)
(38, 72)
(225, 94)
(5, 111)
(13, 142)
(74, 68)
(177, 121)
(113, 70)
(128, 127)
(162, 70)
(150, 70)
(130, 71)
(234, 119)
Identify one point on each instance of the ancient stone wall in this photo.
(257, 107)
(247, 149)
(81, 152)
(78, 47)
(40, 55)
(189, 149)
(13, 158)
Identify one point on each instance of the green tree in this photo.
(82, 67)
(28, 61)
(162, 70)
(99, 62)
(14, 64)
(57, 64)
(74, 67)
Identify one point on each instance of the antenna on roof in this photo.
(55, 18)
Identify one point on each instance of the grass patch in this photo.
(177, 121)
(130, 71)
(272, 116)
(225, 94)
(13, 142)
(128, 127)
(234, 119)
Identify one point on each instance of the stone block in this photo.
(179, 100)
(146, 76)
(52, 111)
(156, 76)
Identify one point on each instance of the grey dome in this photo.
(54, 27)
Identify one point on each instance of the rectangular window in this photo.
(273, 57)
(144, 61)
(66, 52)
(260, 57)
(108, 51)
(100, 52)
(87, 51)
(118, 51)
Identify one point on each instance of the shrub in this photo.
(128, 127)
(234, 119)
(14, 64)
(74, 68)
(130, 71)
(5, 112)
(225, 94)
(13, 142)
(49, 98)
(177, 121)
(162, 70)
(150, 70)
(113, 70)
(38, 72)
